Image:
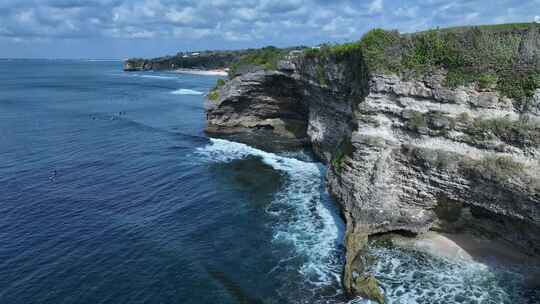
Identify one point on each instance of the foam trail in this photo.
(411, 277)
(186, 92)
(153, 76)
(304, 220)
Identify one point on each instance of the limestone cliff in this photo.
(404, 153)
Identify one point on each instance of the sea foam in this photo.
(186, 92)
(408, 276)
(307, 222)
(303, 216)
(154, 76)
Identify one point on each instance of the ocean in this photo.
(110, 192)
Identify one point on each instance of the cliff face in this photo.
(403, 154)
(423, 156)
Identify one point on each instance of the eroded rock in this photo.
(402, 154)
(367, 287)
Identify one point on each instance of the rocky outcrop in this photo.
(259, 107)
(416, 163)
(133, 65)
(403, 155)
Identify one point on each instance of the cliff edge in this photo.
(437, 130)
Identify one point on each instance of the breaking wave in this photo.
(306, 220)
(186, 92)
(409, 276)
(303, 215)
(152, 76)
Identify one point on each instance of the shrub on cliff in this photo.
(213, 95)
(381, 50)
(344, 149)
(504, 57)
(266, 57)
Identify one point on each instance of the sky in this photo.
(119, 29)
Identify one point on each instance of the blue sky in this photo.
(126, 28)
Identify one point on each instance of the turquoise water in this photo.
(110, 192)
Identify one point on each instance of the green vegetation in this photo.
(487, 81)
(350, 53)
(501, 57)
(493, 27)
(516, 132)
(220, 59)
(213, 95)
(381, 50)
(266, 57)
(492, 56)
(520, 86)
(339, 52)
(345, 148)
(432, 49)
(342, 51)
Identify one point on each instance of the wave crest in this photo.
(303, 216)
(186, 92)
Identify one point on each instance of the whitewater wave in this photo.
(151, 76)
(411, 277)
(306, 221)
(186, 92)
(303, 216)
(157, 77)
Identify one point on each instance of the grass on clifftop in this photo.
(505, 57)
(266, 57)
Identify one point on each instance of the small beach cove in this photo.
(211, 72)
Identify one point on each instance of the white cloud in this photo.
(247, 13)
(252, 22)
(409, 12)
(191, 33)
(143, 34)
(537, 19)
(185, 16)
(376, 6)
(25, 16)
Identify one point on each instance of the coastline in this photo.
(216, 72)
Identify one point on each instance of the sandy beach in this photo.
(202, 72)
(465, 247)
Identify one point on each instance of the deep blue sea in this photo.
(110, 192)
